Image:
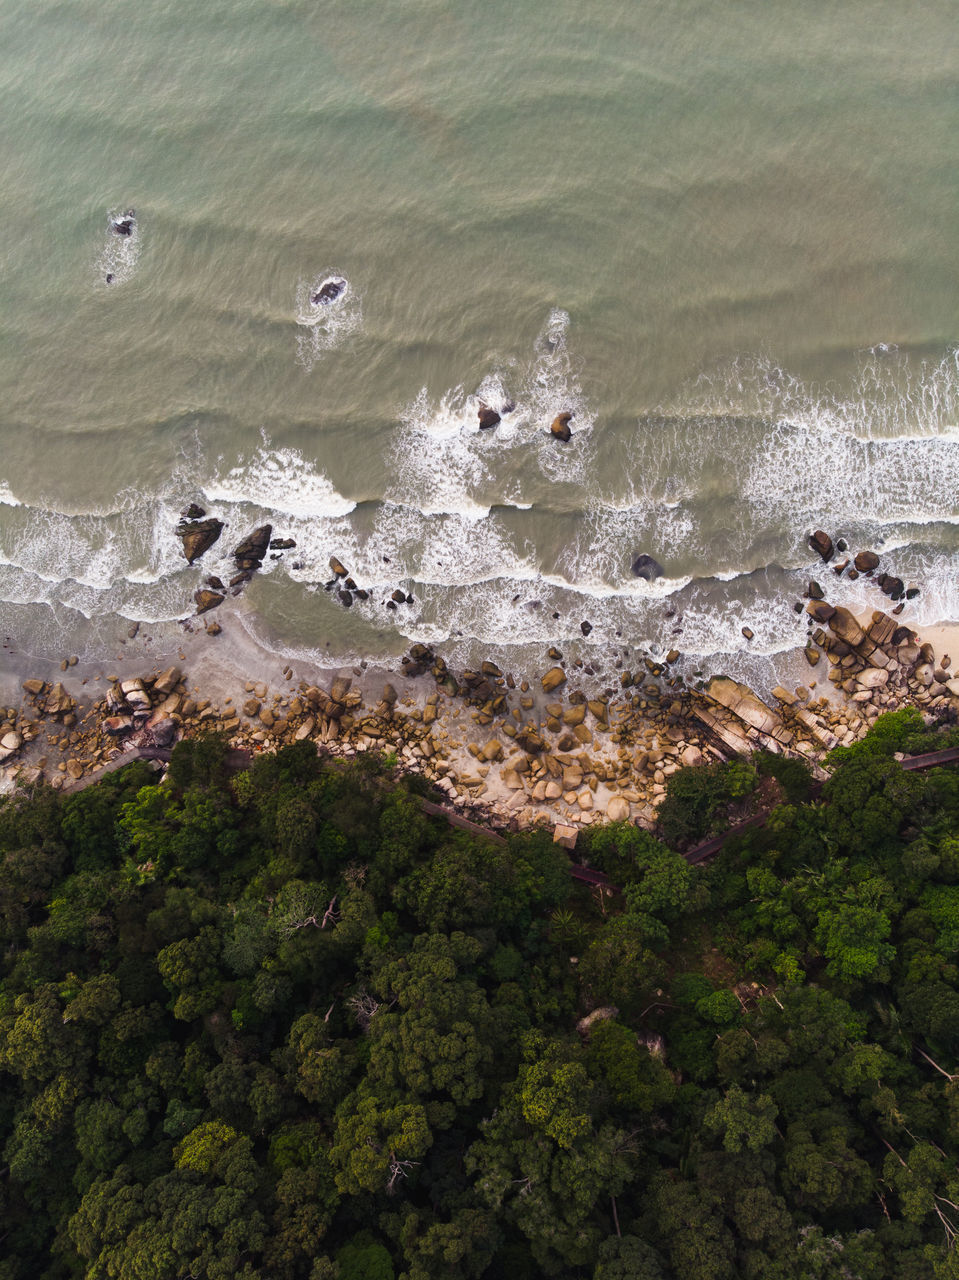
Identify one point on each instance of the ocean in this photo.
(721, 235)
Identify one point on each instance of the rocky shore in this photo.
(519, 751)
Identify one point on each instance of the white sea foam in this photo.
(7, 496)
(279, 480)
(324, 326)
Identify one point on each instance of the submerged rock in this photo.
(329, 291)
(646, 567)
(124, 226)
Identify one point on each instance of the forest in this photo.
(279, 1023)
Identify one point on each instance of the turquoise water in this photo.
(722, 235)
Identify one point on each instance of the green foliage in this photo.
(697, 798)
(282, 1024)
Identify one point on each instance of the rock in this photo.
(9, 743)
(814, 591)
(267, 718)
(75, 769)
(573, 716)
(872, 678)
(585, 801)
(559, 427)
(282, 544)
(866, 561)
(340, 688)
(554, 789)
(488, 418)
(492, 751)
(337, 567)
(213, 628)
(821, 543)
(553, 678)
(164, 731)
(746, 632)
(305, 729)
(329, 291)
(646, 567)
(586, 628)
(124, 226)
(811, 654)
(115, 725)
(206, 599)
(389, 695)
(345, 599)
(198, 536)
(167, 681)
(617, 809)
(844, 625)
(253, 547)
(251, 708)
(193, 512)
(691, 757)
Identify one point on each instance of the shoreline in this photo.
(519, 750)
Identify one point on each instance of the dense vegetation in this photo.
(280, 1024)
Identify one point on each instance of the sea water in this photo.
(722, 236)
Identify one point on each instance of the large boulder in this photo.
(488, 418)
(646, 567)
(553, 679)
(866, 561)
(559, 427)
(207, 600)
(198, 536)
(821, 543)
(844, 625)
(249, 553)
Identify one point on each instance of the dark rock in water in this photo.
(361, 594)
(253, 548)
(840, 568)
(198, 536)
(124, 226)
(193, 512)
(346, 600)
(841, 545)
(559, 427)
(399, 596)
(911, 592)
(748, 633)
(409, 599)
(297, 564)
(853, 575)
(109, 277)
(337, 567)
(821, 543)
(282, 544)
(645, 566)
(391, 604)
(586, 628)
(488, 418)
(207, 600)
(797, 607)
(814, 591)
(866, 561)
(350, 584)
(893, 587)
(215, 583)
(329, 291)
(240, 578)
